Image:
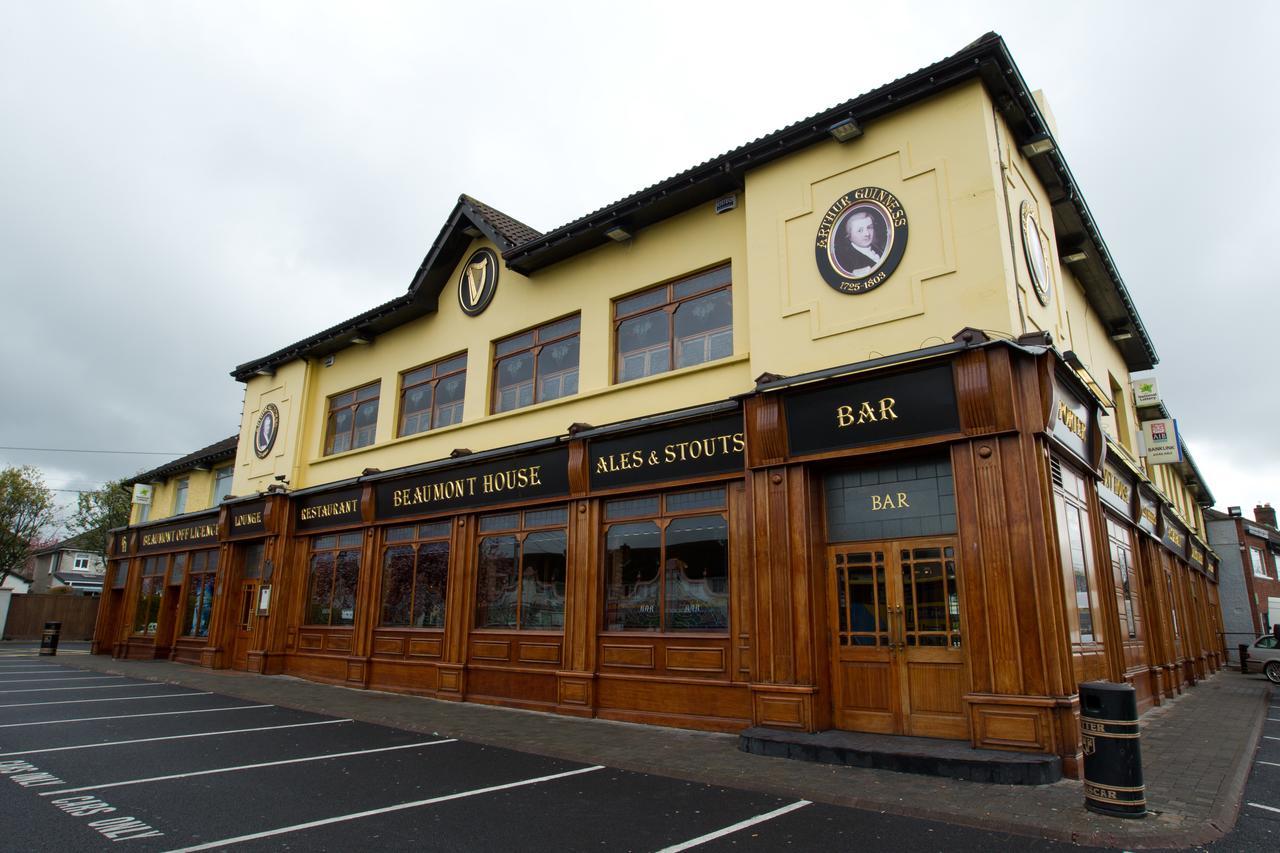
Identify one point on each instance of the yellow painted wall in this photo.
(199, 494)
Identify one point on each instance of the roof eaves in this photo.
(216, 452)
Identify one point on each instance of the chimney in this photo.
(1265, 514)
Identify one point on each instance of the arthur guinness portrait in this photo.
(861, 240)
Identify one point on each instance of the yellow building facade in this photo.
(676, 414)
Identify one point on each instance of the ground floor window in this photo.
(333, 573)
(667, 562)
(199, 606)
(1123, 568)
(150, 591)
(415, 575)
(520, 570)
(1074, 549)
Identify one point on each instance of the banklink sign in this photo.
(872, 411)
(699, 449)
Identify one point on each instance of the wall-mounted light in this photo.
(1121, 333)
(617, 233)
(1076, 257)
(359, 338)
(1037, 145)
(264, 371)
(844, 130)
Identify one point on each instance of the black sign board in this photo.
(1197, 554)
(1148, 514)
(699, 449)
(1071, 421)
(330, 509)
(515, 478)
(1116, 489)
(188, 533)
(870, 411)
(1175, 536)
(907, 498)
(247, 519)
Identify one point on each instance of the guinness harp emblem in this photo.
(478, 282)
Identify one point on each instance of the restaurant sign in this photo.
(700, 449)
(871, 411)
(329, 509)
(520, 478)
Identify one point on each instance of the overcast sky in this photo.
(184, 187)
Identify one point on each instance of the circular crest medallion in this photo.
(265, 431)
(861, 240)
(1033, 248)
(478, 282)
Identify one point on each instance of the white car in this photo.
(1266, 651)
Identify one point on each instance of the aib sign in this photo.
(478, 282)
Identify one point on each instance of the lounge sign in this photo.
(870, 411)
(175, 536)
(248, 518)
(330, 509)
(700, 449)
(519, 478)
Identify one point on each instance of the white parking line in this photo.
(1261, 806)
(170, 737)
(240, 767)
(743, 824)
(112, 699)
(131, 716)
(1269, 763)
(297, 827)
(95, 687)
(81, 678)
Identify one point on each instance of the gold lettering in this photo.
(1069, 419)
(866, 413)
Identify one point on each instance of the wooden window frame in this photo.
(154, 571)
(521, 531)
(1073, 498)
(226, 472)
(670, 305)
(415, 543)
(536, 348)
(663, 518)
(433, 381)
(337, 549)
(356, 402)
(196, 583)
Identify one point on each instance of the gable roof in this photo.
(469, 219)
(219, 451)
(526, 250)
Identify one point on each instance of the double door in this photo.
(896, 656)
(246, 604)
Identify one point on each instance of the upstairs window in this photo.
(180, 496)
(81, 563)
(222, 483)
(353, 419)
(536, 366)
(674, 325)
(431, 396)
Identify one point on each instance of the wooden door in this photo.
(897, 664)
(246, 604)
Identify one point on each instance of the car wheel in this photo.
(1272, 670)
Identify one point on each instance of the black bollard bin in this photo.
(1113, 782)
(49, 638)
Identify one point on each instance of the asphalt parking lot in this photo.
(91, 761)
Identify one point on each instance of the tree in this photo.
(98, 512)
(27, 513)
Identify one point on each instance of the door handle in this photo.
(902, 629)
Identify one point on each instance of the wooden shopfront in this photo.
(933, 545)
(113, 605)
(170, 589)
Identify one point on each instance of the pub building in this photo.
(730, 452)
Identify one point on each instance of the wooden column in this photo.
(367, 598)
(785, 619)
(458, 609)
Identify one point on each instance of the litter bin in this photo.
(1113, 782)
(49, 638)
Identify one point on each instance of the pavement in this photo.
(1198, 751)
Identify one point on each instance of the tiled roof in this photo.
(513, 230)
(216, 452)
